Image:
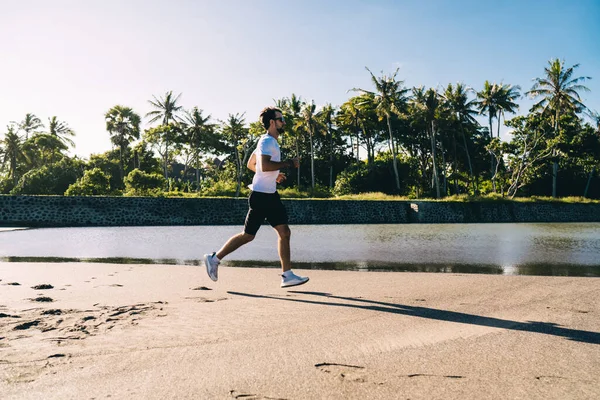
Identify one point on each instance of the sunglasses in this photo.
(279, 119)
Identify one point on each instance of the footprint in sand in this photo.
(201, 288)
(62, 325)
(113, 285)
(43, 286)
(52, 312)
(27, 325)
(432, 376)
(204, 299)
(250, 396)
(42, 299)
(343, 371)
(3, 315)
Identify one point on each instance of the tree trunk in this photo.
(554, 174)
(352, 144)
(357, 147)
(13, 171)
(394, 160)
(239, 173)
(370, 158)
(587, 186)
(436, 181)
(166, 171)
(471, 177)
(555, 155)
(454, 164)
(444, 190)
(122, 169)
(312, 161)
(197, 172)
(330, 157)
(298, 169)
(499, 117)
(121, 140)
(492, 166)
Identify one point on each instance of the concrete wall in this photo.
(45, 211)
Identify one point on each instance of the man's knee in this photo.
(246, 237)
(284, 232)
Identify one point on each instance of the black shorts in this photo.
(264, 206)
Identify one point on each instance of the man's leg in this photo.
(288, 278)
(251, 226)
(283, 246)
(234, 243)
(212, 261)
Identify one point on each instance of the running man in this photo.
(264, 201)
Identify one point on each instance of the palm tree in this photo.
(162, 138)
(327, 114)
(310, 125)
(123, 124)
(30, 124)
(488, 103)
(505, 101)
(295, 105)
(166, 109)
(284, 105)
(236, 133)
(488, 98)
(595, 116)
(42, 148)
(350, 117)
(11, 151)
(61, 131)
(559, 93)
(427, 102)
(458, 103)
(389, 97)
(197, 129)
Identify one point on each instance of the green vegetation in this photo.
(387, 142)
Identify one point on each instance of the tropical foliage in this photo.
(404, 141)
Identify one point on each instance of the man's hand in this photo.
(295, 162)
(281, 177)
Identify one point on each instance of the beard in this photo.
(280, 130)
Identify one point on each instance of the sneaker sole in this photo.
(207, 269)
(295, 284)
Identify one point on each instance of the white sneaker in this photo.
(292, 280)
(212, 266)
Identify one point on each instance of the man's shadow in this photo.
(547, 328)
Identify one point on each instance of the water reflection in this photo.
(525, 269)
(571, 249)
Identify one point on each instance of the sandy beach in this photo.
(95, 331)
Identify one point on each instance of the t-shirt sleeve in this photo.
(266, 147)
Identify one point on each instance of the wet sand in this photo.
(83, 331)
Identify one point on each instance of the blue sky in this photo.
(77, 59)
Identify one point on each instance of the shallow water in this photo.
(566, 249)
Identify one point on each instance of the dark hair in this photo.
(267, 114)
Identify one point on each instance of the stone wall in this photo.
(510, 211)
(46, 211)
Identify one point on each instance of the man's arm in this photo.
(268, 165)
(251, 164)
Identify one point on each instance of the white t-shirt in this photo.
(265, 181)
